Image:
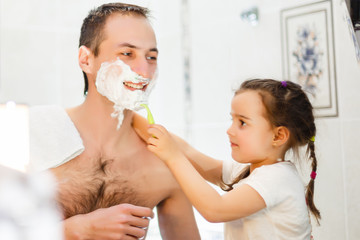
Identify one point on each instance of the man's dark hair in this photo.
(92, 34)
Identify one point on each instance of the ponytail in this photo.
(229, 186)
(310, 187)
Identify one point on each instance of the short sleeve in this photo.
(274, 182)
(231, 169)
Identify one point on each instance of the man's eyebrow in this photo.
(154, 50)
(126, 45)
(129, 45)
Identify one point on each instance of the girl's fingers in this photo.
(152, 148)
(154, 131)
(157, 128)
(152, 141)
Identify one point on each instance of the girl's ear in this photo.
(85, 59)
(281, 136)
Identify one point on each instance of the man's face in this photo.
(126, 64)
(132, 40)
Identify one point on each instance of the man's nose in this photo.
(141, 67)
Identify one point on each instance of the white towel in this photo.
(54, 139)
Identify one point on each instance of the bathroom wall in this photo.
(38, 65)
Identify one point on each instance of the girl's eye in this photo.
(126, 53)
(242, 123)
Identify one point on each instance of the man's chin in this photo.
(135, 107)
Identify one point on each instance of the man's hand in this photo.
(120, 222)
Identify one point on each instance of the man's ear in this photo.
(281, 136)
(85, 59)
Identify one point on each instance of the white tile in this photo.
(28, 67)
(251, 56)
(211, 139)
(206, 13)
(167, 98)
(166, 17)
(350, 136)
(72, 13)
(210, 78)
(43, 12)
(70, 77)
(35, 13)
(12, 14)
(329, 184)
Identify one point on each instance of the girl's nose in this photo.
(229, 131)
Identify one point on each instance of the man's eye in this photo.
(151, 58)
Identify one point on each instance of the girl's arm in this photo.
(240, 202)
(209, 168)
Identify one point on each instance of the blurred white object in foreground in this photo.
(14, 136)
(27, 207)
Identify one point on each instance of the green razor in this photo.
(149, 115)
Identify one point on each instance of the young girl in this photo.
(266, 197)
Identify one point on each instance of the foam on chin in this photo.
(110, 83)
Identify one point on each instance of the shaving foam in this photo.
(110, 83)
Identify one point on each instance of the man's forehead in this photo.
(135, 31)
(121, 21)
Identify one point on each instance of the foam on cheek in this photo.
(110, 83)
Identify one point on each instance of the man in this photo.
(111, 182)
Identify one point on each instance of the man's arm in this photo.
(176, 218)
(120, 222)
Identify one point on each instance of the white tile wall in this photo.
(329, 185)
(70, 75)
(351, 156)
(38, 65)
(168, 96)
(28, 66)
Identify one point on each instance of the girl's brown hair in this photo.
(286, 105)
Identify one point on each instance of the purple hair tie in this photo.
(284, 84)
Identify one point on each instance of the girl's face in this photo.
(250, 133)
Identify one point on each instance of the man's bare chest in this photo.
(87, 183)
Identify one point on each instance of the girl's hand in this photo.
(162, 144)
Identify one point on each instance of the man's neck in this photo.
(96, 126)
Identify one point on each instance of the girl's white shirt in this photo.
(285, 216)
